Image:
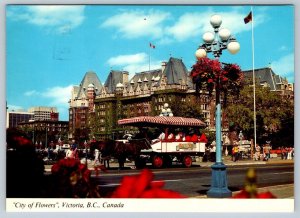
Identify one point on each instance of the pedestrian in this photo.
(235, 152)
(257, 152)
(283, 153)
(69, 153)
(97, 159)
(289, 153)
(73, 144)
(266, 152)
(212, 153)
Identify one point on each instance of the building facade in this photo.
(82, 104)
(44, 113)
(43, 132)
(144, 94)
(99, 109)
(266, 77)
(13, 118)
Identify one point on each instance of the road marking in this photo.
(109, 185)
(117, 184)
(284, 173)
(172, 180)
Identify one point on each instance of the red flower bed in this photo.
(73, 179)
(142, 186)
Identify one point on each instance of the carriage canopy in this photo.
(161, 121)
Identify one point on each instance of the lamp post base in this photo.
(219, 188)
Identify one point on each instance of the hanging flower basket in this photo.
(206, 74)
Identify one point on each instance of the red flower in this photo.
(241, 194)
(82, 167)
(86, 175)
(206, 72)
(142, 186)
(266, 195)
(22, 141)
(55, 168)
(250, 190)
(73, 179)
(245, 194)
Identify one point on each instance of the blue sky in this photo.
(50, 48)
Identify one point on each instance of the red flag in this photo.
(152, 46)
(248, 18)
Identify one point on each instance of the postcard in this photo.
(149, 108)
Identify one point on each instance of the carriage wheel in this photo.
(187, 161)
(157, 161)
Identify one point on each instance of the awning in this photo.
(161, 121)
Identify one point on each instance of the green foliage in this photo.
(190, 108)
(272, 113)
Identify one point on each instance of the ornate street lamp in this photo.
(215, 43)
(166, 111)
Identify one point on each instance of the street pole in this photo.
(216, 43)
(85, 144)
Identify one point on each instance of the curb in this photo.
(208, 164)
(273, 189)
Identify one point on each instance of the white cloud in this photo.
(127, 59)
(31, 93)
(134, 63)
(15, 108)
(195, 24)
(58, 95)
(134, 24)
(62, 18)
(188, 25)
(137, 68)
(55, 97)
(285, 67)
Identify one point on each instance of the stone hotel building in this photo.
(96, 108)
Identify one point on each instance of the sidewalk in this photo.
(227, 161)
(285, 191)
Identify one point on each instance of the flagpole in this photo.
(149, 55)
(253, 73)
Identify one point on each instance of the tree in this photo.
(190, 108)
(273, 114)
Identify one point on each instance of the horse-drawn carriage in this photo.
(163, 152)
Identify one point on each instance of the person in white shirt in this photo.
(179, 136)
(69, 153)
(97, 157)
(171, 136)
(162, 136)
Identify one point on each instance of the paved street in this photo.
(275, 175)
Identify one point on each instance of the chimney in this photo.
(125, 77)
(163, 66)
